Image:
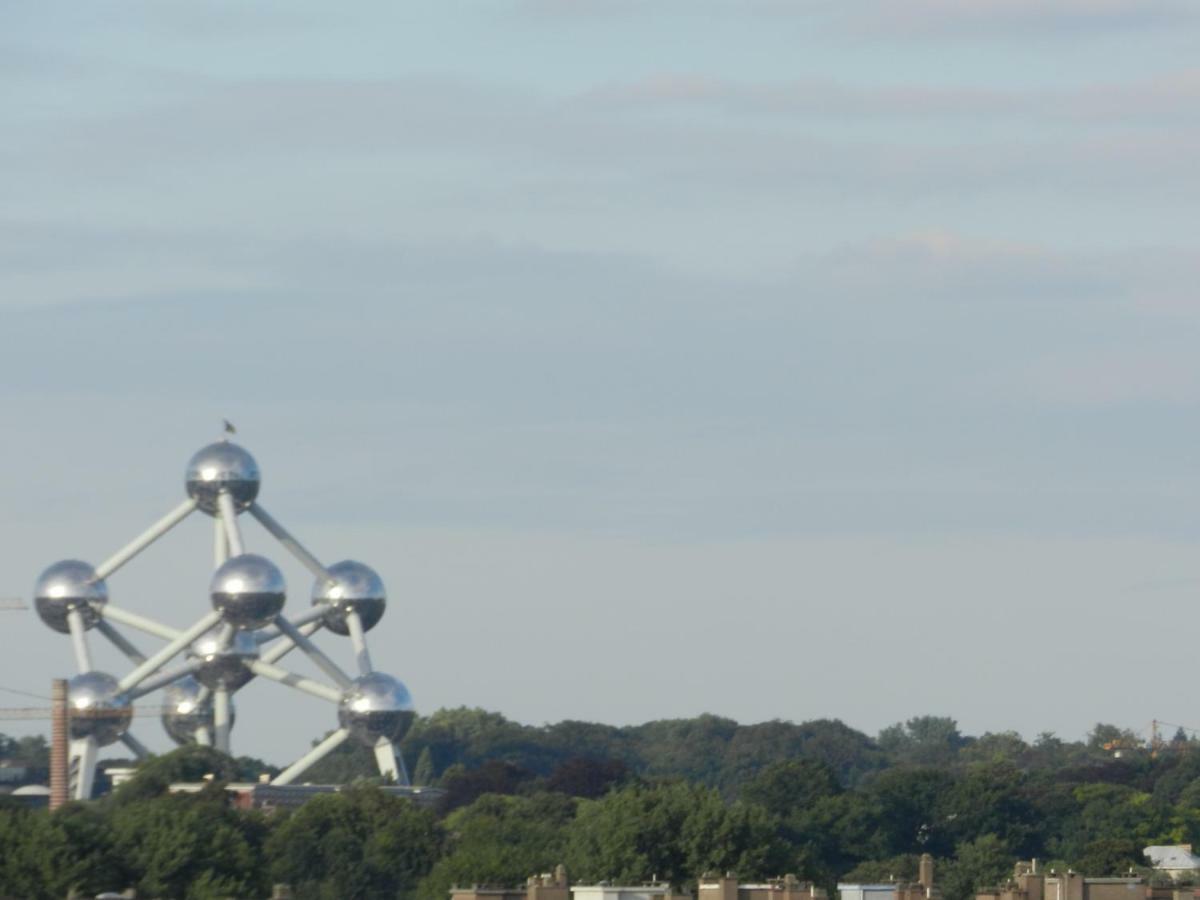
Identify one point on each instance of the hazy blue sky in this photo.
(771, 359)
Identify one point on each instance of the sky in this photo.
(777, 360)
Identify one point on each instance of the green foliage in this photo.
(501, 841)
(190, 763)
(791, 785)
(984, 862)
(189, 845)
(673, 832)
(817, 799)
(923, 740)
(359, 844)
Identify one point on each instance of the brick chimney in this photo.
(58, 743)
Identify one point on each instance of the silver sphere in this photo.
(98, 707)
(69, 585)
(351, 586)
(183, 713)
(248, 590)
(376, 706)
(224, 665)
(222, 467)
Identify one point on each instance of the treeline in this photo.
(668, 799)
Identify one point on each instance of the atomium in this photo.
(69, 586)
(248, 591)
(224, 659)
(242, 638)
(351, 587)
(187, 714)
(222, 468)
(376, 706)
(99, 709)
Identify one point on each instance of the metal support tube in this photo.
(145, 539)
(119, 641)
(313, 652)
(162, 679)
(358, 638)
(156, 662)
(220, 545)
(309, 615)
(83, 658)
(286, 645)
(390, 762)
(312, 757)
(83, 767)
(299, 682)
(233, 534)
(221, 719)
(137, 747)
(203, 738)
(139, 622)
(292, 545)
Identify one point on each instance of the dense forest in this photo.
(669, 799)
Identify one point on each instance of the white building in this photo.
(1176, 860)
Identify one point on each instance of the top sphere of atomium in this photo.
(98, 707)
(222, 467)
(351, 587)
(69, 585)
(376, 706)
(248, 591)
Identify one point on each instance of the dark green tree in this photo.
(359, 844)
(673, 832)
(501, 840)
(191, 846)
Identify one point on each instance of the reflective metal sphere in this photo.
(354, 586)
(224, 666)
(98, 708)
(248, 590)
(65, 586)
(183, 712)
(222, 467)
(375, 706)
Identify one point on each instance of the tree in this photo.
(358, 844)
(923, 740)
(911, 810)
(583, 777)
(1109, 857)
(789, 785)
(671, 831)
(465, 786)
(190, 846)
(190, 763)
(423, 774)
(983, 862)
(501, 840)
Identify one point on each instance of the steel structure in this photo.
(244, 635)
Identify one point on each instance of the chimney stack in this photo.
(925, 876)
(58, 743)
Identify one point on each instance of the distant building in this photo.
(555, 886)
(266, 796)
(1176, 860)
(1030, 883)
(922, 889)
(726, 887)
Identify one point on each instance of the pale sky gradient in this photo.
(770, 359)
